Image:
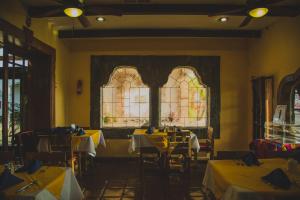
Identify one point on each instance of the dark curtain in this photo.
(262, 90)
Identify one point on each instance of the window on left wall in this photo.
(124, 100)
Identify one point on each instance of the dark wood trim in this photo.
(5, 95)
(164, 9)
(108, 33)
(29, 41)
(11, 29)
(285, 86)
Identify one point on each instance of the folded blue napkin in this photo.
(32, 167)
(150, 130)
(7, 179)
(250, 159)
(80, 132)
(278, 178)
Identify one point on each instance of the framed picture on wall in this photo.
(279, 115)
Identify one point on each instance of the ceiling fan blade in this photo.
(52, 12)
(227, 12)
(60, 2)
(246, 21)
(272, 1)
(84, 21)
(100, 10)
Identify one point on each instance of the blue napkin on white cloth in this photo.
(32, 167)
(7, 179)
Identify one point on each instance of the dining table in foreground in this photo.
(232, 180)
(51, 183)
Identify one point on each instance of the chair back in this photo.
(61, 142)
(26, 141)
(6, 156)
(49, 159)
(211, 141)
(210, 133)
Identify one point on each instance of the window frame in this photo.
(199, 78)
(101, 101)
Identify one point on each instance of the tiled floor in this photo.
(119, 179)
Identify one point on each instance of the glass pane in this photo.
(297, 107)
(165, 95)
(10, 60)
(130, 97)
(107, 94)
(144, 95)
(19, 62)
(14, 117)
(188, 100)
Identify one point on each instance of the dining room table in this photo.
(46, 183)
(158, 139)
(85, 143)
(234, 180)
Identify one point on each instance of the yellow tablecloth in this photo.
(49, 178)
(157, 139)
(88, 142)
(94, 134)
(223, 174)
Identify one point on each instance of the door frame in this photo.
(26, 37)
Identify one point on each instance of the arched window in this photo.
(184, 100)
(125, 100)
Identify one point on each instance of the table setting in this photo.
(36, 181)
(252, 178)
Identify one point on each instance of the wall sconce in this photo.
(79, 87)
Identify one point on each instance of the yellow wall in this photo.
(277, 52)
(13, 12)
(234, 85)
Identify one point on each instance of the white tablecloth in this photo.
(139, 140)
(70, 190)
(86, 145)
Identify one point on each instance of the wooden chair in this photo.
(180, 154)
(63, 143)
(231, 155)
(25, 141)
(6, 156)
(208, 145)
(148, 157)
(60, 142)
(49, 159)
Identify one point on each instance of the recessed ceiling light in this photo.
(100, 19)
(223, 19)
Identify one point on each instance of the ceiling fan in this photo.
(253, 9)
(78, 9)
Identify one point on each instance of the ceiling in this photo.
(159, 21)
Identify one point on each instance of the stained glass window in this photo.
(125, 100)
(184, 100)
